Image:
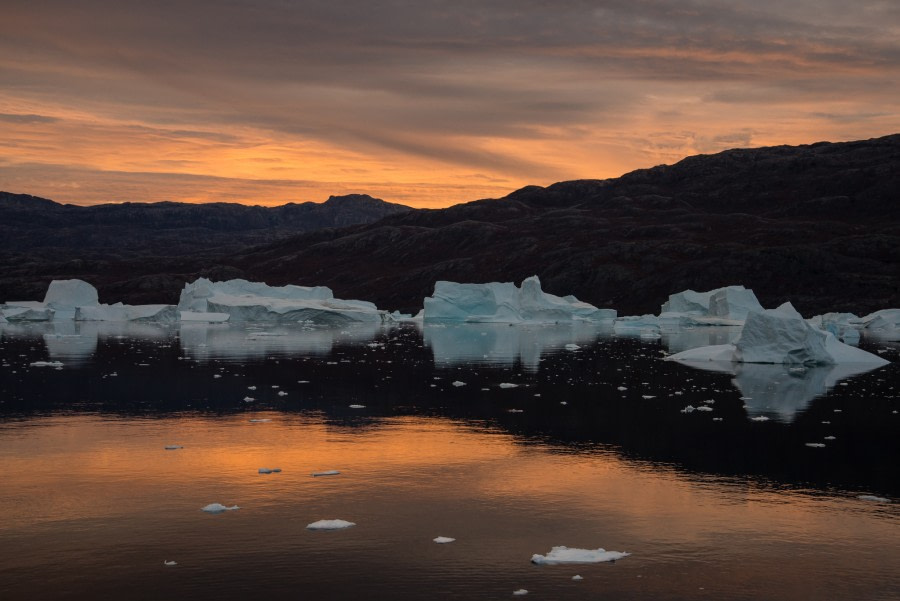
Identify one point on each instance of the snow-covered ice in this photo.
(505, 302)
(245, 301)
(558, 555)
(218, 508)
(330, 525)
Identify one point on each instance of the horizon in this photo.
(427, 106)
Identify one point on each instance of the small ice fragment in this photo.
(326, 473)
(302, 381)
(838, 410)
(357, 406)
(561, 402)
(815, 445)
(457, 383)
(218, 508)
(704, 408)
(520, 592)
(330, 525)
(688, 409)
(648, 396)
(267, 470)
(826, 422)
(746, 398)
(830, 438)
(442, 540)
(516, 410)
(47, 364)
(873, 498)
(259, 420)
(173, 447)
(563, 554)
(508, 385)
(577, 577)
(217, 375)
(621, 388)
(249, 399)
(282, 393)
(572, 347)
(761, 418)
(167, 562)
(251, 388)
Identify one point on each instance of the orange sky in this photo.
(425, 104)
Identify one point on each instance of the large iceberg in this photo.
(719, 306)
(781, 336)
(78, 300)
(505, 302)
(244, 301)
(883, 324)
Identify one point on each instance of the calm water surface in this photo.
(589, 449)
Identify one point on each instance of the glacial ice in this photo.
(245, 301)
(505, 302)
(558, 555)
(218, 508)
(330, 525)
(884, 324)
(781, 336)
(728, 303)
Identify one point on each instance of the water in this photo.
(92, 503)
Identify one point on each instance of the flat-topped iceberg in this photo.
(244, 301)
(781, 336)
(505, 302)
(562, 554)
(78, 300)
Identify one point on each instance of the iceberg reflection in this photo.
(203, 341)
(504, 344)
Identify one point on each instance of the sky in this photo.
(424, 102)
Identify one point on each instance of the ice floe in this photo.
(558, 555)
(218, 508)
(505, 302)
(330, 525)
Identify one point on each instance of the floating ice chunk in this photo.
(251, 388)
(572, 347)
(508, 385)
(443, 540)
(648, 396)
(249, 399)
(458, 383)
(326, 473)
(520, 592)
(173, 447)
(167, 562)
(506, 303)
(884, 324)
(69, 294)
(46, 364)
(330, 525)
(558, 555)
(218, 508)
(830, 438)
(815, 445)
(577, 577)
(282, 393)
(873, 498)
(269, 470)
(730, 302)
(244, 301)
(258, 420)
(689, 409)
(357, 406)
(622, 388)
(760, 418)
(704, 408)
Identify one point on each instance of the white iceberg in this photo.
(781, 336)
(884, 324)
(558, 555)
(218, 508)
(244, 301)
(505, 302)
(719, 306)
(330, 525)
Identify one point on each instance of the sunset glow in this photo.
(427, 104)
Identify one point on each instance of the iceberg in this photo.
(120, 312)
(496, 302)
(77, 300)
(730, 303)
(884, 324)
(781, 336)
(838, 324)
(244, 301)
(218, 508)
(558, 555)
(330, 525)
(63, 295)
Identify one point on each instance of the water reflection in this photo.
(203, 341)
(504, 344)
(683, 339)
